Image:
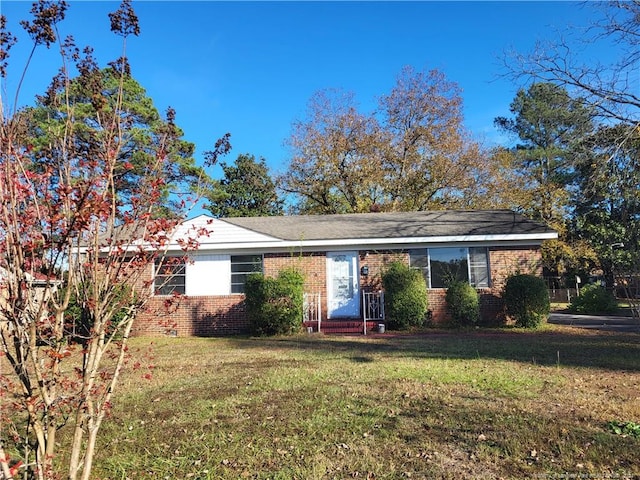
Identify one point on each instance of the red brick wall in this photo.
(224, 315)
(376, 260)
(313, 265)
(193, 316)
(506, 261)
(503, 261)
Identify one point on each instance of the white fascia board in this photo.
(390, 243)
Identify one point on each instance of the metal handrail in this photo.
(372, 307)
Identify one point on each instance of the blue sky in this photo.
(249, 68)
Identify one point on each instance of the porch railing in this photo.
(312, 309)
(372, 307)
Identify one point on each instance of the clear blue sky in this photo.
(249, 68)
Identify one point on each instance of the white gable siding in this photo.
(208, 275)
(216, 231)
(223, 232)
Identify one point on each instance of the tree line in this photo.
(571, 160)
(568, 165)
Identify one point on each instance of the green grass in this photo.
(486, 404)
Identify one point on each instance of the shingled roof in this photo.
(446, 223)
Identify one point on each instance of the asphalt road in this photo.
(597, 322)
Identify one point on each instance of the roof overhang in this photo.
(375, 243)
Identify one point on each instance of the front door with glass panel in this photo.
(343, 293)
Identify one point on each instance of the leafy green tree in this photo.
(98, 99)
(552, 130)
(607, 212)
(603, 80)
(247, 190)
(549, 126)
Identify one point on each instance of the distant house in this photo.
(38, 290)
(341, 256)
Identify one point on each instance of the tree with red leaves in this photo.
(73, 244)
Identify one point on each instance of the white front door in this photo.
(343, 292)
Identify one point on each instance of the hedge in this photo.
(463, 302)
(275, 305)
(526, 300)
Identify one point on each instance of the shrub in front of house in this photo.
(274, 305)
(405, 296)
(526, 300)
(594, 299)
(463, 302)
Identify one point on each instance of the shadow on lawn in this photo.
(560, 346)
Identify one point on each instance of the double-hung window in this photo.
(169, 276)
(479, 267)
(442, 266)
(241, 267)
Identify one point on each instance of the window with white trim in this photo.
(443, 265)
(241, 267)
(479, 267)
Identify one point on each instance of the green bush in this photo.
(274, 305)
(405, 296)
(594, 299)
(463, 302)
(527, 300)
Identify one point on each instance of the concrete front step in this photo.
(344, 326)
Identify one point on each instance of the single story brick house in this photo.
(341, 256)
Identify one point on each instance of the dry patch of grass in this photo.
(499, 404)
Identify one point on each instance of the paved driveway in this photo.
(597, 322)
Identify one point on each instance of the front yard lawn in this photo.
(443, 404)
